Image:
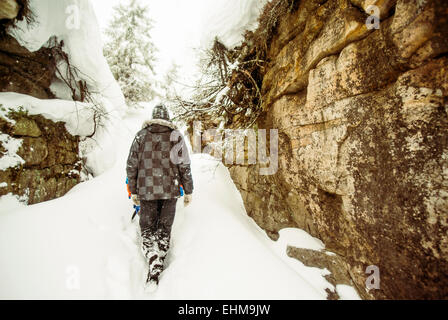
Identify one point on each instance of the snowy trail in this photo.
(219, 252)
(84, 246)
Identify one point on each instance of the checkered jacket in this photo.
(151, 173)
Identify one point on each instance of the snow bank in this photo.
(300, 239)
(347, 292)
(229, 20)
(74, 22)
(11, 203)
(10, 159)
(76, 115)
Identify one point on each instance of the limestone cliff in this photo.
(363, 118)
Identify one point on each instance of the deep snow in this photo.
(75, 24)
(84, 246)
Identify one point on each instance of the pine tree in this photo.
(130, 52)
(169, 82)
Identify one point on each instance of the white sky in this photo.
(174, 29)
(181, 26)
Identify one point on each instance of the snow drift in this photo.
(74, 23)
(229, 20)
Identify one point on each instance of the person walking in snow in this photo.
(156, 168)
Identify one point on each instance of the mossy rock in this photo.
(26, 127)
(33, 150)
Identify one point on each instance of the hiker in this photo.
(155, 180)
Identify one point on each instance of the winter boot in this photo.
(152, 280)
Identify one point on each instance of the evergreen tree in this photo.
(169, 82)
(130, 52)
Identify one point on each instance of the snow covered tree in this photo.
(130, 52)
(168, 84)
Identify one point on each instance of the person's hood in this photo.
(159, 125)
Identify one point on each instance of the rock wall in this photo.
(48, 163)
(25, 72)
(51, 158)
(9, 9)
(363, 121)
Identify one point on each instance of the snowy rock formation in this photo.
(75, 24)
(59, 101)
(47, 155)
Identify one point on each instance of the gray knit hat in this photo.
(161, 112)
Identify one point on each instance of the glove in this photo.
(135, 199)
(187, 199)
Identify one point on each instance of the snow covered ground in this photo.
(84, 246)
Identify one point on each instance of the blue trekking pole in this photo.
(137, 210)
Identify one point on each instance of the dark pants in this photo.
(156, 221)
(157, 215)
